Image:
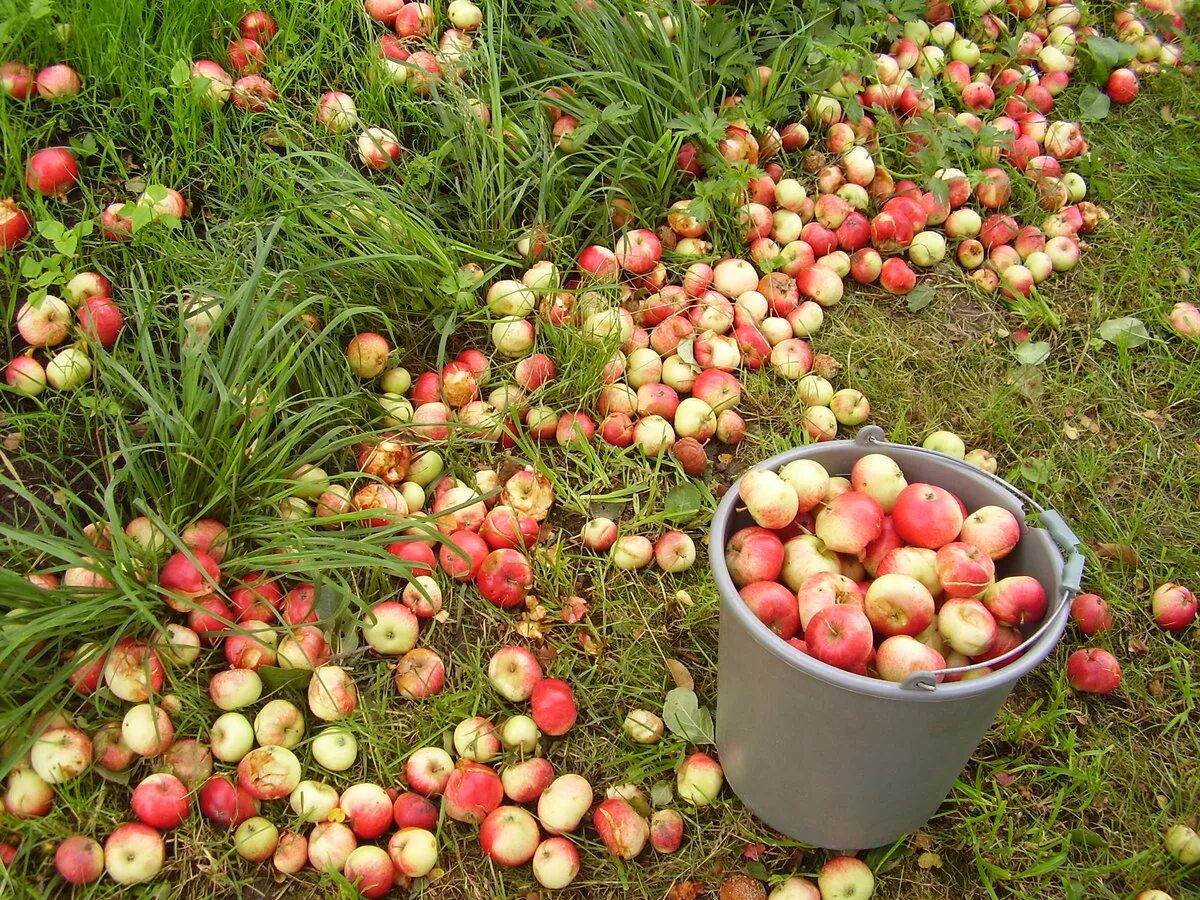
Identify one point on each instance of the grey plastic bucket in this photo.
(848, 762)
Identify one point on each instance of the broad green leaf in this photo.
(1126, 331)
(1035, 471)
(276, 678)
(1093, 104)
(1032, 353)
(682, 502)
(181, 73)
(686, 718)
(920, 297)
(661, 793)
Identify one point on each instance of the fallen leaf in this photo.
(1138, 646)
(754, 851)
(530, 630)
(680, 675)
(922, 841)
(683, 598)
(1071, 431)
(1089, 424)
(686, 890)
(12, 441)
(546, 654)
(1156, 687)
(929, 860)
(1004, 779)
(591, 645)
(574, 609)
(1152, 415)
(442, 617)
(1121, 552)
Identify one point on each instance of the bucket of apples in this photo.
(878, 604)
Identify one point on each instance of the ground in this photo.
(1068, 795)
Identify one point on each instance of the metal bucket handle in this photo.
(1048, 519)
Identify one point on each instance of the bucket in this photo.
(848, 762)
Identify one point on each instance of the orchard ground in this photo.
(1068, 796)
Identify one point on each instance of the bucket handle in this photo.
(1048, 519)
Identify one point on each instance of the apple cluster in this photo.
(857, 220)
(414, 54)
(673, 552)
(45, 324)
(877, 576)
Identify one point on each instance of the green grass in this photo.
(1068, 796)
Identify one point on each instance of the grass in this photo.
(1068, 796)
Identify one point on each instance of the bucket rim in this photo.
(916, 688)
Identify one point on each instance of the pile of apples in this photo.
(45, 325)
(877, 576)
(854, 219)
(410, 56)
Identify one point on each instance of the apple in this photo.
(1174, 607)
(967, 626)
(475, 738)
(46, 323)
(147, 730)
(368, 809)
(27, 794)
(419, 673)
(60, 754)
(428, 770)
(313, 801)
(552, 705)
(898, 604)
(840, 636)
(231, 737)
(900, 656)
(599, 534)
(335, 749)
(666, 831)
(643, 727)
(964, 570)
(411, 810)
(1093, 671)
(698, 779)
(332, 694)
(849, 522)
(256, 839)
(773, 605)
(422, 596)
(847, 878)
(992, 529)
(232, 689)
(720, 390)
(632, 551)
(795, 888)
(305, 648)
(674, 552)
(509, 836)
(223, 803)
(462, 554)
(504, 528)
(133, 854)
(878, 476)
(253, 646)
(520, 733)
(330, 845)
(79, 860)
(1090, 614)
(928, 516)
(555, 863)
(504, 578)
(1016, 601)
(413, 851)
(638, 251)
(370, 868)
(809, 480)
(623, 831)
(392, 628)
(806, 555)
(771, 501)
(1183, 844)
(133, 671)
(472, 791)
(753, 554)
(563, 803)
(824, 589)
(526, 781)
(269, 773)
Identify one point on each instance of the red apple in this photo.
(1090, 613)
(161, 801)
(849, 522)
(823, 589)
(992, 529)
(773, 605)
(411, 810)
(753, 554)
(1174, 607)
(900, 656)
(1093, 671)
(840, 636)
(509, 836)
(1016, 601)
(928, 516)
(223, 803)
(472, 791)
(553, 706)
(462, 555)
(79, 860)
(964, 570)
(504, 578)
(623, 831)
